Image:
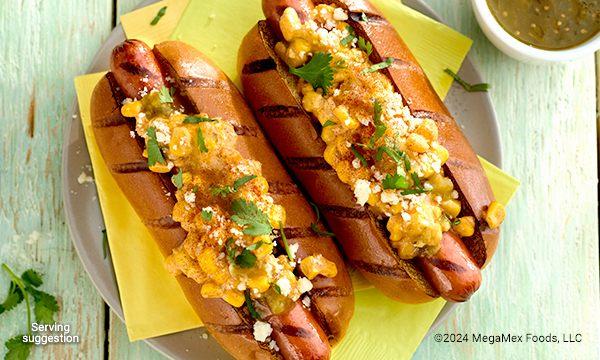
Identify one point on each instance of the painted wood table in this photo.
(544, 277)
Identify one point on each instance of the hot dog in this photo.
(346, 104)
(185, 149)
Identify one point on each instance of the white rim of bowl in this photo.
(485, 15)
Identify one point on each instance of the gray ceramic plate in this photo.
(473, 110)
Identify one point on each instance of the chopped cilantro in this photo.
(314, 226)
(365, 46)
(255, 245)
(197, 119)
(317, 72)
(341, 63)
(245, 260)
(201, 143)
(329, 123)
(379, 125)
(363, 17)
(395, 181)
(154, 153)
(206, 215)
(276, 287)
(253, 312)
(165, 95)
(457, 222)
(469, 88)
(359, 155)
(348, 39)
(222, 191)
(159, 15)
(381, 65)
(242, 181)
(178, 179)
(285, 243)
(248, 213)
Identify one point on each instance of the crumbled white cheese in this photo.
(356, 163)
(454, 194)
(304, 285)
(262, 330)
(389, 196)
(285, 286)
(273, 345)
(190, 197)
(207, 209)
(362, 190)
(132, 134)
(406, 216)
(339, 14)
(375, 189)
(293, 248)
(306, 301)
(82, 178)
(427, 186)
(241, 286)
(235, 231)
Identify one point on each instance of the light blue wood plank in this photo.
(544, 277)
(43, 45)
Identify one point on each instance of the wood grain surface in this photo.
(544, 277)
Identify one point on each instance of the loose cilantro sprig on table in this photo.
(469, 88)
(154, 153)
(226, 190)
(248, 213)
(314, 226)
(45, 306)
(165, 95)
(159, 15)
(317, 72)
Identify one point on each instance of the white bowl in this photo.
(521, 51)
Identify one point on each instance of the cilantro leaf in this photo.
(348, 39)
(365, 46)
(165, 95)
(457, 222)
(329, 123)
(17, 349)
(247, 213)
(276, 287)
(379, 125)
(469, 88)
(340, 64)
(197, 119)
(206, 215)
(45, 305)
(104, 242)
(230, 249)
(154, 153)
(395, 181)
(222, 191)
(359, 155)
(381, 65)
(14, 298)
(159, 15)
(253, 312)
(414, 191)
(201, 143)
(255, 245)
(415, 178)
(32, 277)
(242, 181)
(178, 179)
(285, 243)
(363, 17)
(245, 260)
(317, 72)
(314, 226)
(195, 188)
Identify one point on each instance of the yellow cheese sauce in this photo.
(420, 206)
(218, 190)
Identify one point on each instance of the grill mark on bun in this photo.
(204, 83)
(446, 265)
(279, 111)
(240, 329)
(110, 121)
(259, 66)
(164, 223)
(308, 163)
(382, 270)
(127, 168)
(283, 188)
(372, 18)
(330, 291)
(344, 212)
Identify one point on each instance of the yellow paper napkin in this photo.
(376, 317)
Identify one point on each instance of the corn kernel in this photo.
(276, 214)
(442, 153)
(132, 109)
(466, 227)
(330, 154)
(328, 134)
(373, 198)
(312, 100)
(181, 141)
(186, 177)
(314, 265)
(280, 50)
(428, 130)
(234, 297)
(495, 214)
(207, 263)
(161, 168)
(211, 290)
(289, 23)
(259, 281)
(451, 207)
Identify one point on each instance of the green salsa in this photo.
(548, 24)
